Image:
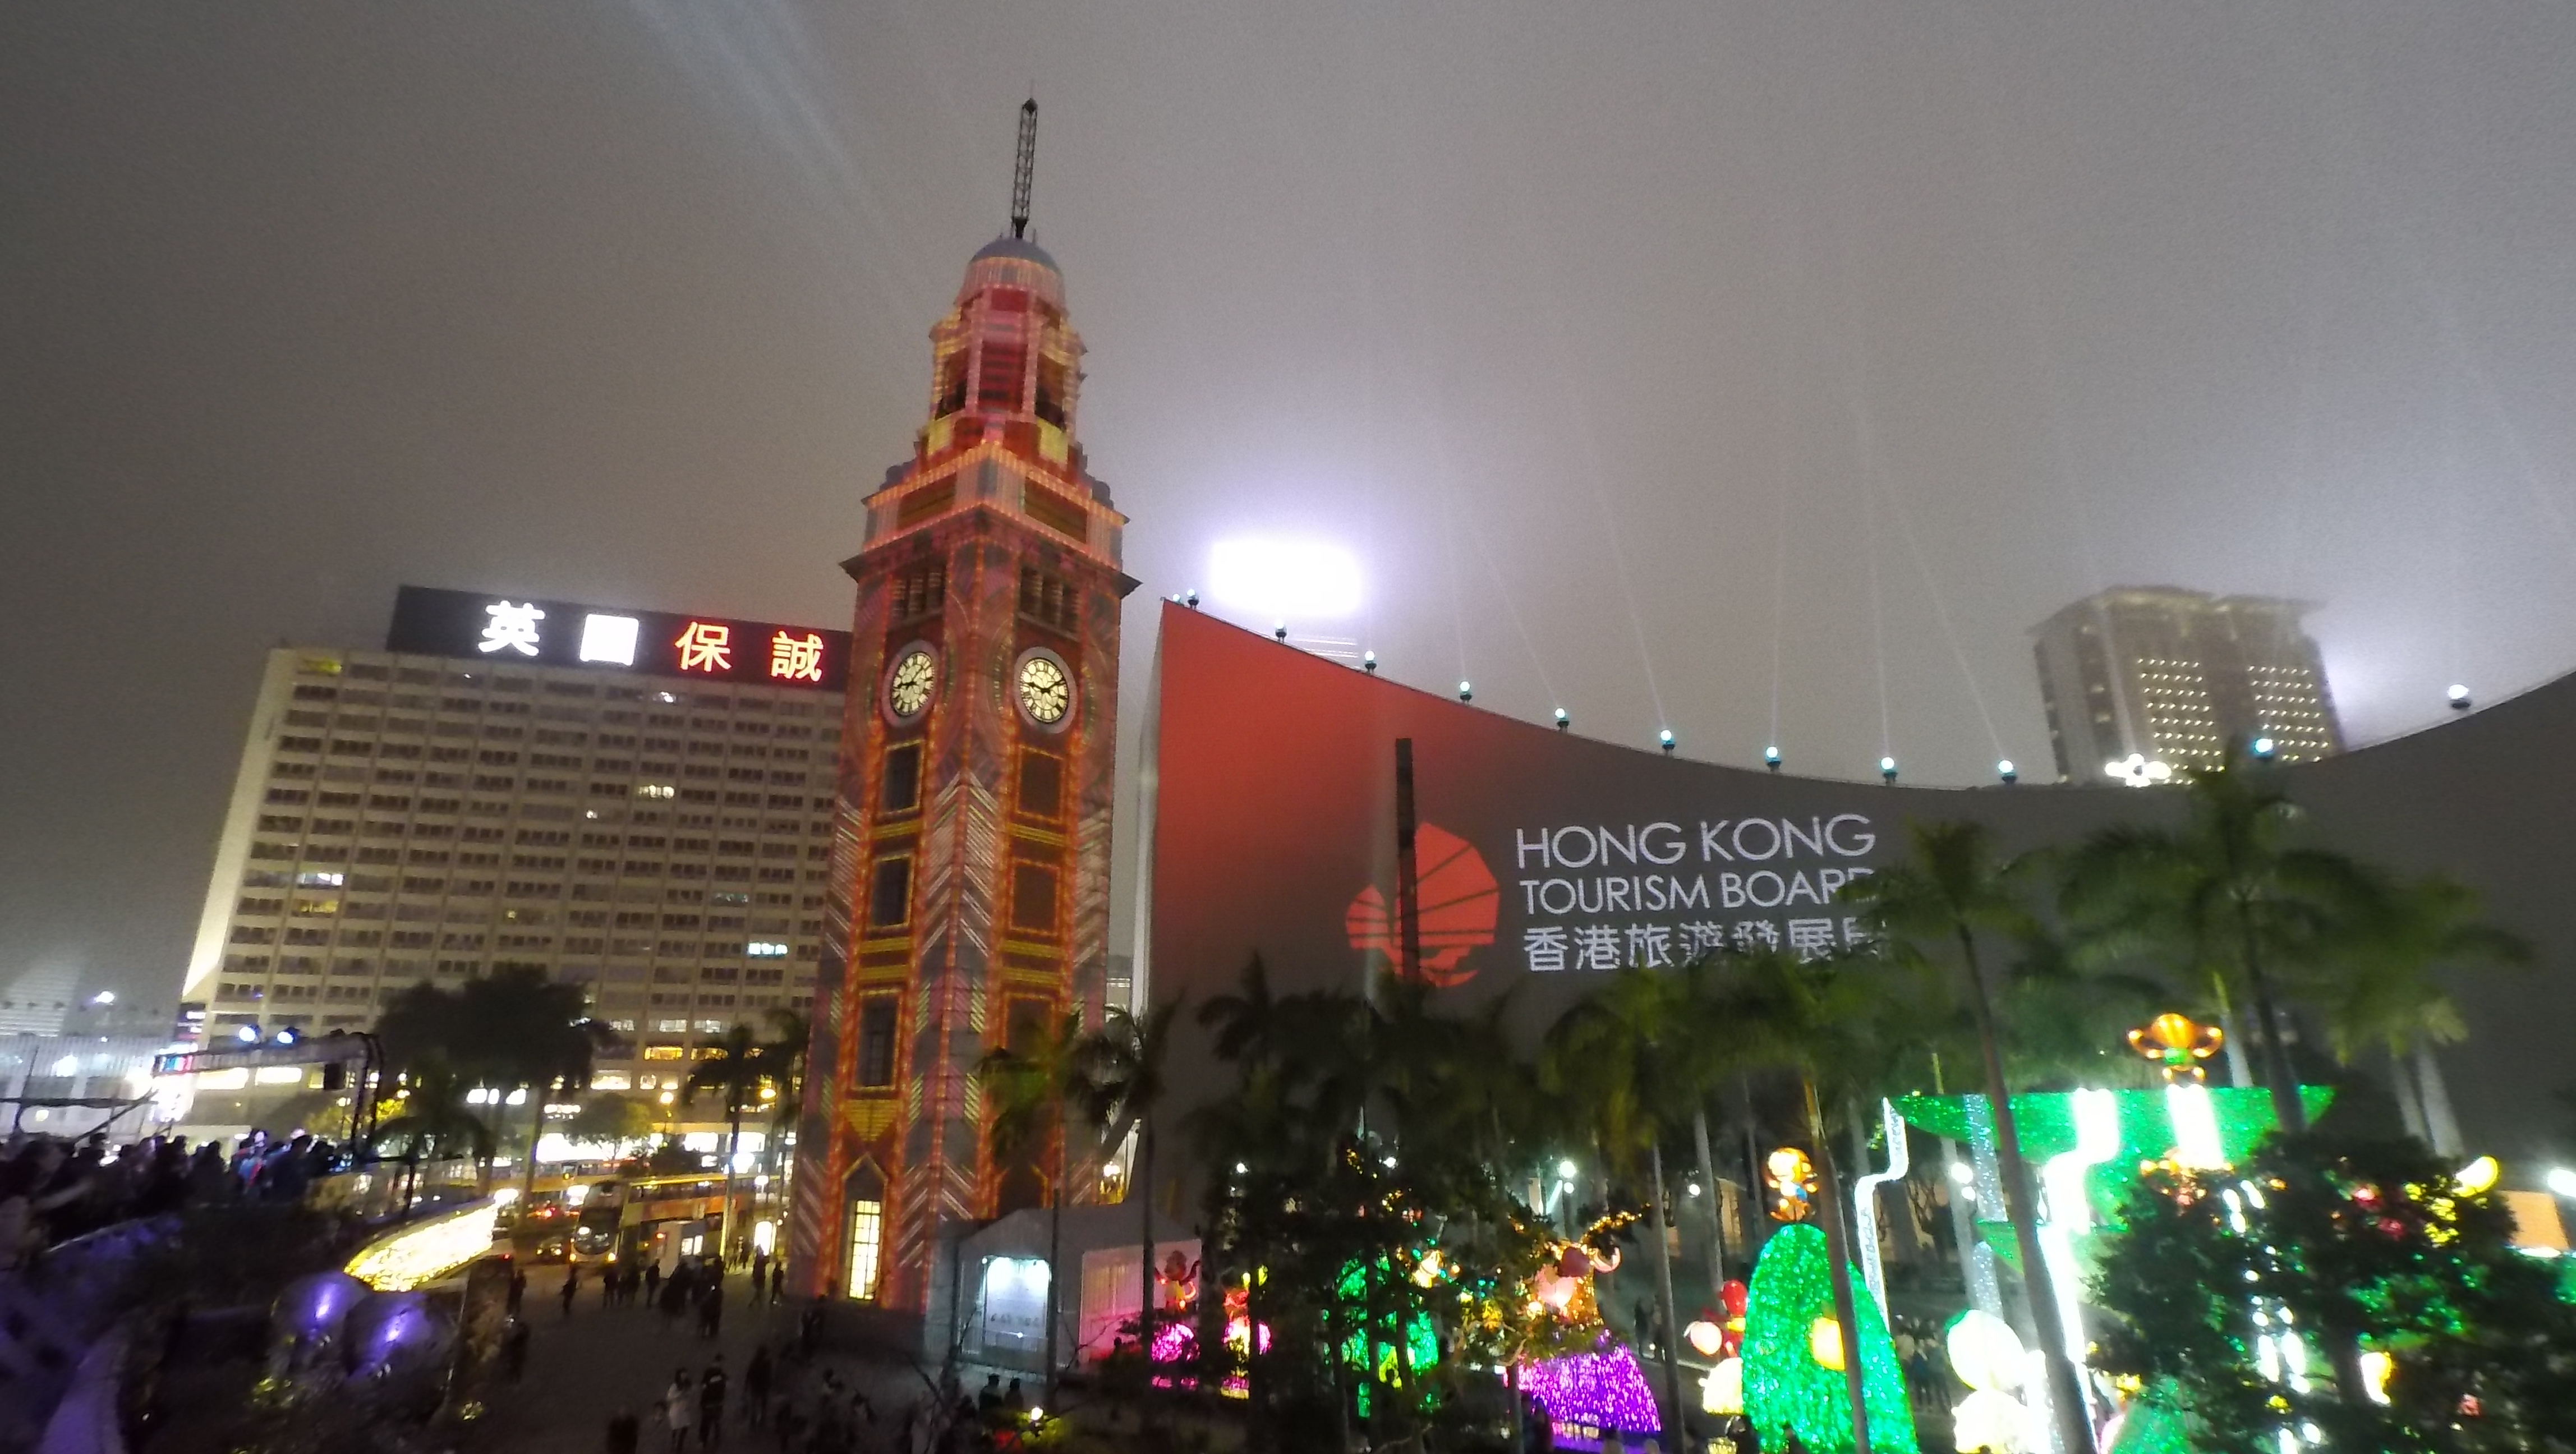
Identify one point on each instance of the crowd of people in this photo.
(53, 1189)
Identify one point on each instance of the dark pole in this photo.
(1408, 883)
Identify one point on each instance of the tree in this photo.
(513, 1029)
(1123, 1084)
(432, 1123)
(1032, 1088)
(1947, 894)
(2443, 1338)
(2228, 899)
(735, 1069)
(1619, 1053)
(609, 1116)
(2377, 985)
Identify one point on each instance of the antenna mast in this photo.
(1027, 165)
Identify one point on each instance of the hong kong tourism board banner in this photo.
(1545, 859)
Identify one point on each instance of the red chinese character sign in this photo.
(796, 658)
(705, 646)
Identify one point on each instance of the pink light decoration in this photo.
(1602, 1390)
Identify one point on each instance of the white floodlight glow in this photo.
(609, 638)
(2562, 1181)
(1296, 580)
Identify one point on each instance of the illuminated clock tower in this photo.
(971, 858)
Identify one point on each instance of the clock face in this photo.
(1046, 692)
(908, 690)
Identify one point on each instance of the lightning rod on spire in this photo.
(1025, 168)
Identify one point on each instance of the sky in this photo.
(1753, 369)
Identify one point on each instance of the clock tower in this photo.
(971, 854)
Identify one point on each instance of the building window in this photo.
(1041, 783)
(890, 896)
(876, 1042)
(1032, 897)
(867, 1238)
(902, 778)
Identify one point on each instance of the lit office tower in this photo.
(635, 801)
(2167, 676)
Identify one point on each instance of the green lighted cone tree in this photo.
(2370, 1251)
(1786, 1391)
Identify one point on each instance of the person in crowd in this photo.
(514, 1350)
(674, 1300)
(518, 1291)
(711, 1403)
(652, 1284)
(679, 1409)
(624, 1432)
(711, 1311)
(755, 1387)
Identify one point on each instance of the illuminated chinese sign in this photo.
(509, 628)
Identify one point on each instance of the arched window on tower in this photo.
(952, 384)
(1050, 405)
(864, 1195)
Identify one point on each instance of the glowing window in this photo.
(867, 1239)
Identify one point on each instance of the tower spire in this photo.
(1026, 166)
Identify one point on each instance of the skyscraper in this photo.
(634, 801)
(2168, 676)
(977, 768)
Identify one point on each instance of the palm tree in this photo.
(1032, 1089)
(1947, 893)
(513, 1029)
(1618, 1053)
(2227, 898)
(433, 1124)
(2377, 988)
(1124, 1083)
(734, 1069)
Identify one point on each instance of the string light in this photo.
(1595, 1391)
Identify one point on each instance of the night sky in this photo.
(1760, 370)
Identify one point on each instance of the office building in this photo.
(637, 802)
(2140, 681)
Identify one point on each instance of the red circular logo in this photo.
(1460, 903)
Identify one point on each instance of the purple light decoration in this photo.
(1604, 1390)
(315, 1306)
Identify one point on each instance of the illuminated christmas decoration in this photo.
(2177, 1044)
(1792, 1179)
(1722, 1392)
(1588, 1393)
(1790, 1387)
(426, 1251)
(1825, 1343)
(1706, 1339)
(2479, 1175)
(1987, 1355)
